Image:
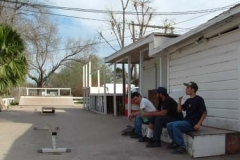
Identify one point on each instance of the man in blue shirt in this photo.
(195, 114)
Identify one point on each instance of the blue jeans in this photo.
(175, 130)
(160, 122)
(138, 125)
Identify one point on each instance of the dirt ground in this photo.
(90, 136)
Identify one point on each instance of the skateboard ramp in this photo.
(46, 100)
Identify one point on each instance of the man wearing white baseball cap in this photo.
(196, 112)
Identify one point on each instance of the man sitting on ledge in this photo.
(145, 106)
(195, 114)
(167, 112)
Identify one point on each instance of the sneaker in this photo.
(180, 150)
(153, 145)
(172, 146)
(136, 136)
(144, 139)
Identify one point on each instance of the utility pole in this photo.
(133, 31)
(133, 66)
(153, 26)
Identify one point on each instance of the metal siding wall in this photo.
(214, 66)
(238, 83)
(149, 75)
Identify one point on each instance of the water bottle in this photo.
(177, 93)
(145, 119)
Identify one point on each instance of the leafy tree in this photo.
(71, 75)
(13, 64)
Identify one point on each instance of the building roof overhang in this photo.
(134, 49)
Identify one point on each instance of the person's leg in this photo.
(160, 122)
(147, 132)
(178, 127)
(169, 126)
(138, 126)
(170, 130)
(158, 129)
(150, 127)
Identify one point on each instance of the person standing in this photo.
(196, 112)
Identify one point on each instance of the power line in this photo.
(192, 18)
(120, 12)
(116, 12)
(85, 18)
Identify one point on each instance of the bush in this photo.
(13, 103)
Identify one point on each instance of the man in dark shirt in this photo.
(166, 112)
(195, 114)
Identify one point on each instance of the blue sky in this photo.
(71, 27)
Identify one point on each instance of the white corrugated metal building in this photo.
(208, 55)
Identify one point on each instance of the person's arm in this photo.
(133, 115)
(179, 107)
(156, 113)
(198, 125)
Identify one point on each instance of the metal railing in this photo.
(8, 101)
(48, 91)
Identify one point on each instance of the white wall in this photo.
(151, 75)
(213, 65)
(154, 74)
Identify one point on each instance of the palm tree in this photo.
(13, 63)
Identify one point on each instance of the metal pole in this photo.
(105, 96)
(54, 144)
(90, 74)
(87, 82)
(114, 97)
(84, 85)
(129, 85)
(141, 72)
(98, 80)
(83, 74)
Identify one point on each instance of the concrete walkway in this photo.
(89, 135)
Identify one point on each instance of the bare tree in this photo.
(15, 11)
(144, 14)
(117, 25)
(44, 54)
(40, 33)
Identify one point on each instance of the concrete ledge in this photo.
(209, 131)
(46, 100)
(208, 141)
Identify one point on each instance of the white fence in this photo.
(48, 91)
(7, 101)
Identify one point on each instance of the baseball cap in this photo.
(192, 85)
(161, 90)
